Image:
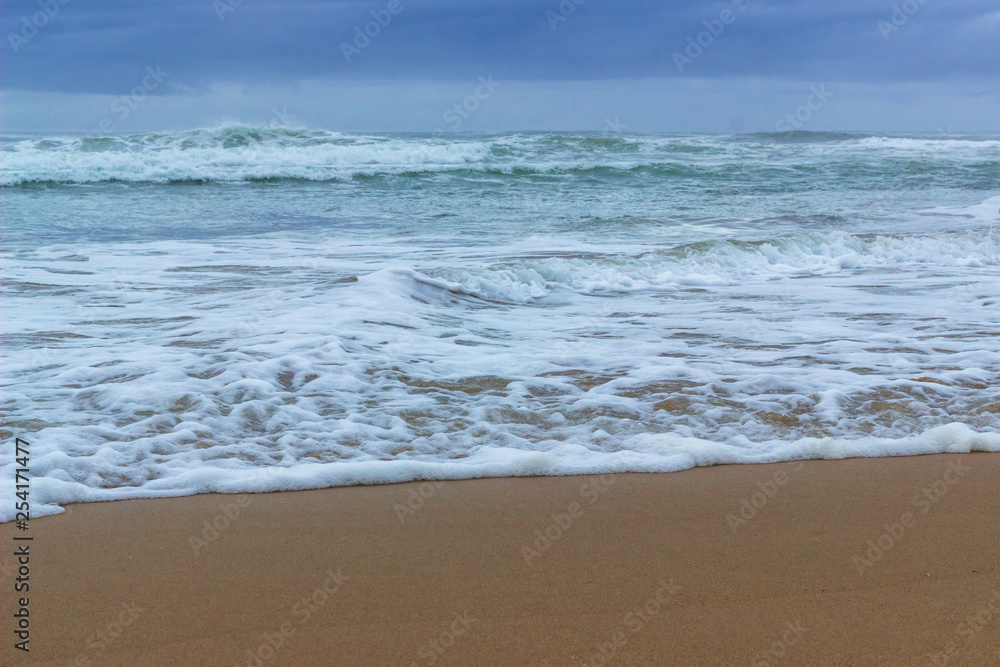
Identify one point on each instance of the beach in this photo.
(883, 561)
(500, 333)
(293, 396)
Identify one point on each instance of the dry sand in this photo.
(649, 570)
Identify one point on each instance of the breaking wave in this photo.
(241, 153)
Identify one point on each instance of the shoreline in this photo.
(854, 561)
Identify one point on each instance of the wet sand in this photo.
(854, 562)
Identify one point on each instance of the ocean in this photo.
(241, 309)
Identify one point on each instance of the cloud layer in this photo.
(73, 47)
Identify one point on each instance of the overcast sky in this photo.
(639, 65)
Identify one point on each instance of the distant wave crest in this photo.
(236, 153)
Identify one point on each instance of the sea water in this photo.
(255, 308)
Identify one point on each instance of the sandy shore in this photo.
(764, 565)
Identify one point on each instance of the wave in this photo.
(871, 140)
(231, 154)
(804, 137)
(243, 153)
(942, 143)
(278, 364)
(703, 264)
(644, 453)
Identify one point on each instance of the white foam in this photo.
(707, 264)
(946, 143)
(645, 453)
(176, 367)
(558, 365)
(238, 153)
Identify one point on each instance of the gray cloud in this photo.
(95, 49)
(91, 47)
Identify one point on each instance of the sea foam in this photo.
(449, 323)
(239, 153)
